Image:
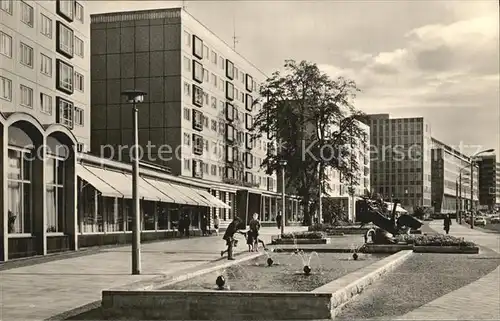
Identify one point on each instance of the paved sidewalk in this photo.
(43, 290)
(479, 300)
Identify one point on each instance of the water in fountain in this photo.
(305, 259)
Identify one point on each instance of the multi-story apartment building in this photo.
(45, 64)
(489, 181)
(447, 187)
(44, 120)
(400, 160)
(201, 99)
(347, 192)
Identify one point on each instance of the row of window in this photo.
(66, 39)
(66, 113)
(201, 51)
(68, 9)
(26, 58)
(201, 98)
(201, 168)
(202, 75)
(201, 144)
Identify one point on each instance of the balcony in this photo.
(197, 168)
(197, 144)
(197, 120)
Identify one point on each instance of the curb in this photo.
(345, 289)
(165, 280)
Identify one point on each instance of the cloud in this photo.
(437, 65)
(448, 73)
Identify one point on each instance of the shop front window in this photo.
(55, 172)
(19, 190)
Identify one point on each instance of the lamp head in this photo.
(283, 162)
(134, 95)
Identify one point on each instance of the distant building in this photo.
(400, 159)
(489, 181)
(447, 163)
(340, 188)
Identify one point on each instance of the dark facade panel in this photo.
(156, 38)
(142, 38)
(127, 37)
(172, 35)
(113, 66)
(113, 93)
(98, 118)
(141, 64)
(112, 40)
(156, 64)
(112, 121)
(99, 67)
(155, 90)
(127, 65)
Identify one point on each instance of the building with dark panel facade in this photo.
(201, 99)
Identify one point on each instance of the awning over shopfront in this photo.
(149, 192)
(192, 194)
(212, 199)
(173, 192)
(99, 184)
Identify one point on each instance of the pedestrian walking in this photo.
(204, 222)
(447, 223)
(232, 229)
(216, 224)
(278, 220)
(187, 224)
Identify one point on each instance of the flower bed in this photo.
(304, 235)
(434, 240)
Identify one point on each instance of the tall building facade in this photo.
(45, 63)
(44, 121)
(400, 159)
(197, 116)
(489, 181)
(347, 192)
(447, 187)
(201, 95)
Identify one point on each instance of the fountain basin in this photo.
(286, 274)
(187, 300)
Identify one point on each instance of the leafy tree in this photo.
(314, 122)
(333, 211)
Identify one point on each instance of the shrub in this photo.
(304, 235)
(434, 240)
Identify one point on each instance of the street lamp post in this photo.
(283, 165)
(135, 97)
(472, 162)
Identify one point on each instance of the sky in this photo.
(430, 58)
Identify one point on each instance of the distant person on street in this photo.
(447, 223)
(204, 222)
(187, 224)
(232, 229)
(216, 224)
(278, 220)
(180, 225)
